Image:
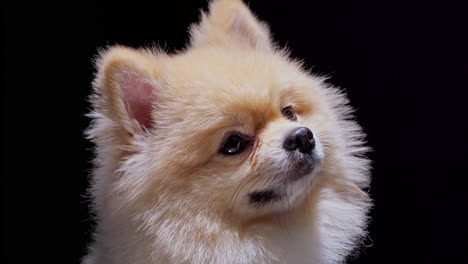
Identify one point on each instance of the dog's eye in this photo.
(289, 113)
(234, 144)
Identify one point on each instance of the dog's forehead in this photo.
(245, 76)
(244, 85)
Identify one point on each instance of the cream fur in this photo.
(161, 191)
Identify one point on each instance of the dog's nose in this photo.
(300, 138)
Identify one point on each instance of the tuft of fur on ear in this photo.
(124, 94)
(230, 22)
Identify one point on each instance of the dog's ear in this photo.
(230, 22)
(125, 92)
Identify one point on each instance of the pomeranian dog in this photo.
(226, 152)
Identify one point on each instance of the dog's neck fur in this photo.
(203, 239)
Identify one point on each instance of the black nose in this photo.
(300, 138)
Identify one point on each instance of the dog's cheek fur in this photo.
(341, 204)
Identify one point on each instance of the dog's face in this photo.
(249, 130)
(230, 124)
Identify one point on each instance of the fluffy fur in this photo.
(163, 193)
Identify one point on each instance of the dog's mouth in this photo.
(296, 179)
(265, 196)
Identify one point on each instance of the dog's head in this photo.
(231, 125)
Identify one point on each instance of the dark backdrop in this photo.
(403, 64)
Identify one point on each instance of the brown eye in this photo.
(289, 113)
(234, 144)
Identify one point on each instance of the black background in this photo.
(404, 65)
